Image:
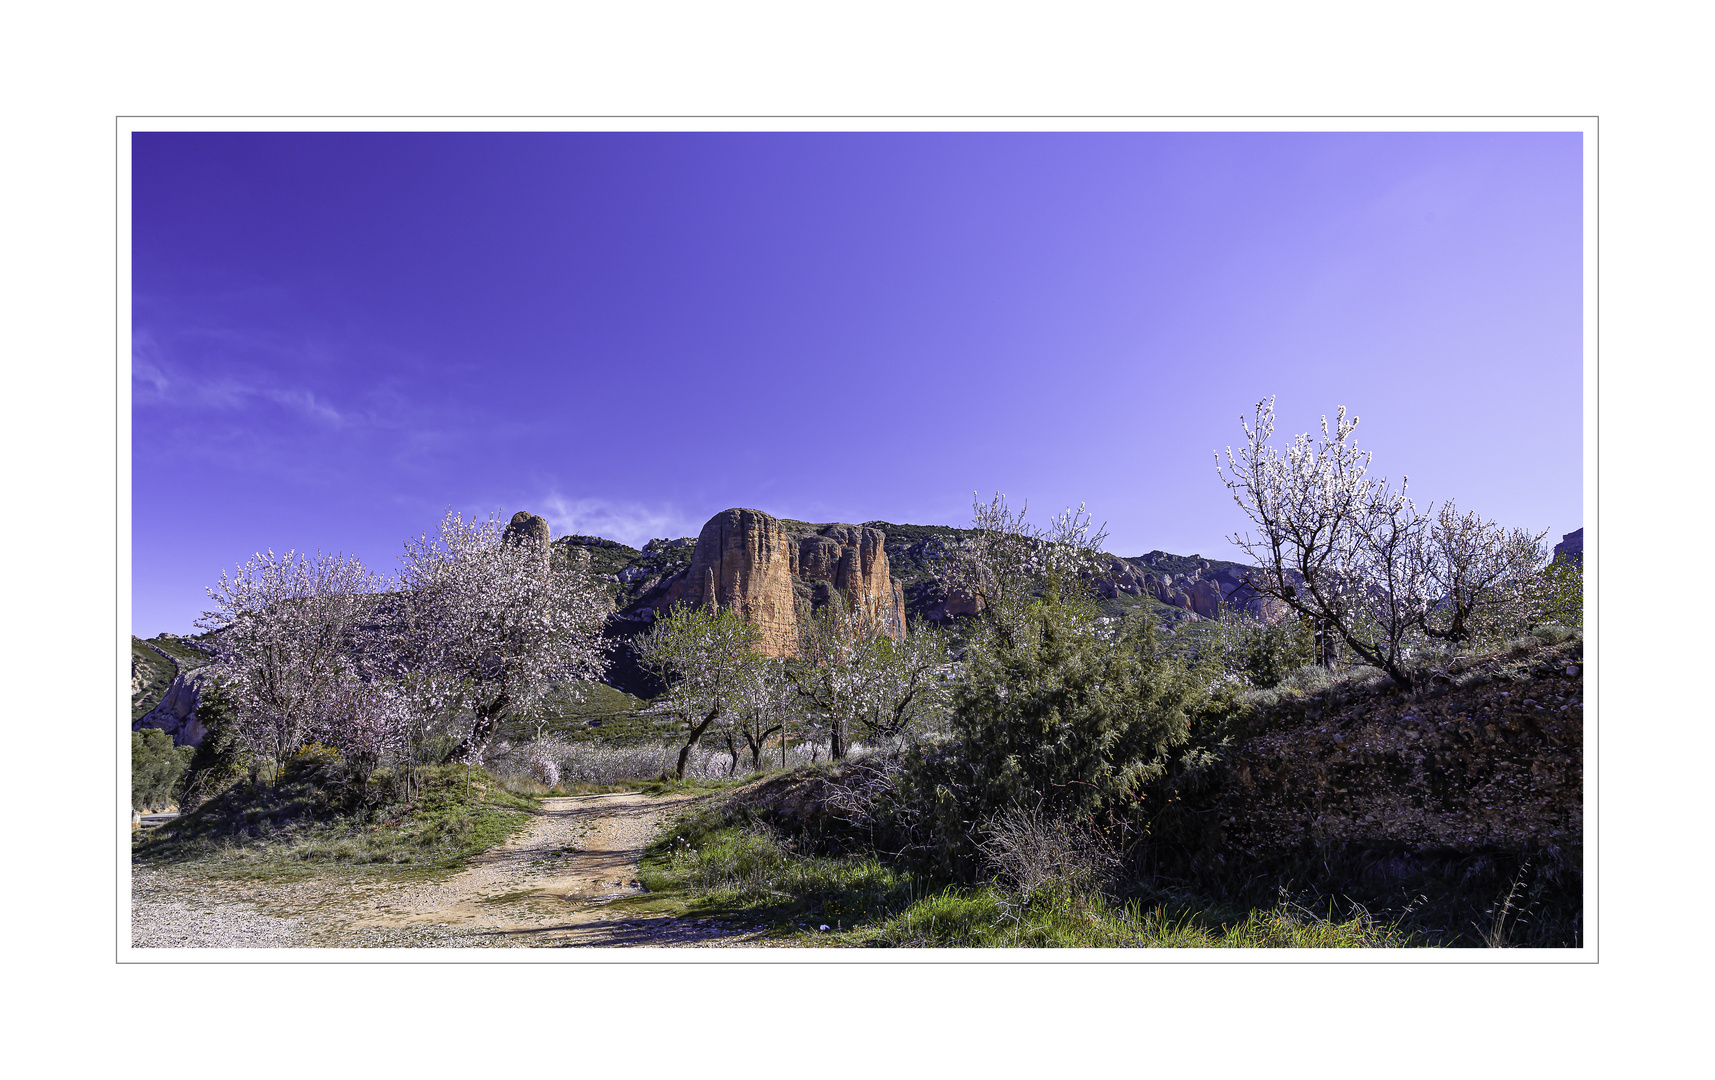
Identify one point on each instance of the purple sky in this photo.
(337, 336)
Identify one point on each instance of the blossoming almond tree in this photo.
(1486, 577)
(764, 704)
(827, 670)
(487, 622)
(906, 681)
(1005, 562)
(283, 627)
(707, 658)
(365, 722)
(851, 672)
(1355, 557)
(1339, 547)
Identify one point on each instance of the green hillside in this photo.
(152, 673)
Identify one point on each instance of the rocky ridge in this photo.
(186, 667)
(765, 567)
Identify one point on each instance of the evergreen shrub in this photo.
(1058, 715)
(156, 767)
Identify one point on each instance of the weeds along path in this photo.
(553, 884)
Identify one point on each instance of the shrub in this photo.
(1557, 594)
(1262, 653)
(156, 768)
(221, 757)
(1056, 713)
(1031, 853)
(543, 767)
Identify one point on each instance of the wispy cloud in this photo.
(192, 382)
(629, 523)
(306, 404)
(146, 365)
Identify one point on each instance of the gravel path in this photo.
(550, 885)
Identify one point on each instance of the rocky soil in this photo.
(1496, 765)
(554, 884)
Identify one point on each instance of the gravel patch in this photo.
(163, 917)
(548, 886)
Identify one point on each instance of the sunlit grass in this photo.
(288, 830)
(723, 869)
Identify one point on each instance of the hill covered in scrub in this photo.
(1444, 798)
(155, 663)
(1453, 812)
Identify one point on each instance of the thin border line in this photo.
(119, 367)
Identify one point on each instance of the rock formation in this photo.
(177, 713)
(527, 526)
(852, 559)
(1571, 546)
(1193, 584)
(744, 561)
(763, 568)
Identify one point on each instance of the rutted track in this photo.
(550, 885)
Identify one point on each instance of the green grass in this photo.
(710, 867)
(984, 918)
(691, 786)
(585, 711)
(289, 830)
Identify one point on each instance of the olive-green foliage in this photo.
(983, 918)
(1056, 713)
(221, 758)
(156, 767)
(290, 827)
(1261, 653)
(1558, 594)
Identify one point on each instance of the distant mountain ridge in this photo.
(643, 582)
(765, 567)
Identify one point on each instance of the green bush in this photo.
(1058, 714)
(289, 826)
(156, 768)
(1558, 594)
(221, 758)
(1264, 654)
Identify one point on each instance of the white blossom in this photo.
(1355, 556)
(283, 627)
(486, 623)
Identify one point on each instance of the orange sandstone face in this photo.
(747, 560)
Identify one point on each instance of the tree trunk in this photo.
(480, 731)
(757, 743)
(836, 740)
(696, 733)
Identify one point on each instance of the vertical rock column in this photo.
(853, 559)
(744, 560)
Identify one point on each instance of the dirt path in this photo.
(553, 884)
